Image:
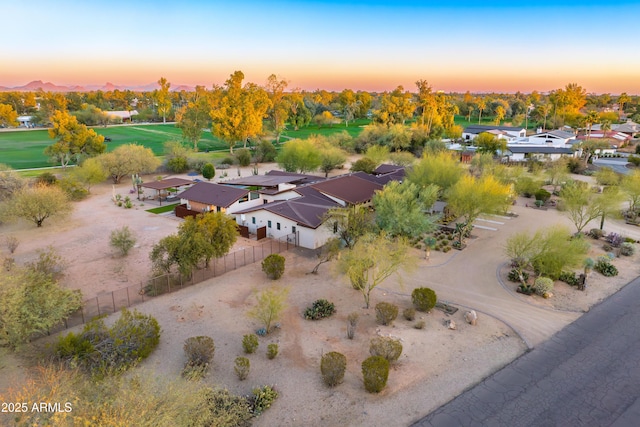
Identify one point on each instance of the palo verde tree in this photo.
(349, 223)
(440, 168)
(128, 160)
(374, 258)
(220, 231)
(472, 196)
(237, 111)
(631, 186)
(37, 203)
(578, 202)
(488, 143)
(270, 304)
(299, 156)
(73, 140)
(400, 208)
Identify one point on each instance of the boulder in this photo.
(471, 317)
(451, 324)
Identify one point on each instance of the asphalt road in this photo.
(617, 164)
(588, 374)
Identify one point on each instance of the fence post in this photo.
(82, 313)
(98, 304)
(128, 299)
(235, 267)
(113, 299)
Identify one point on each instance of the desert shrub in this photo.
(543, 285)
(387, 347)
(178, 164)
(250, 343)
(74, 189)
(386, 313)
(596, 233)
(199, 351)
(364, 164)
(196, 164)
(262, 398)
(273, 266)
(635, 160)
(11, 242)
(627, 249)
(352, 322)
(514, 275)
(542, 194)
(332, 367)
(409, 313)
(424, 299)
(242, 367)
(607, 247)
(266, 152)
(569, 278)
(46, 178)
(420, 324)
(122, 239)
(319, 309)
(626, 240)
(48, 263)
(604, 267)
(575, 165)
(101, 350)
(272, 351)
(227, 161)
(375, 372)
(615, 239)
(243, 156)
(208, 171)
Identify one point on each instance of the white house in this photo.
(552, 138)
(123, 115)
(509, 133)
(25, 121)
(524, 152)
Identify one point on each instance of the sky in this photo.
(373, 45)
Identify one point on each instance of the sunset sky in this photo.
(373, 45)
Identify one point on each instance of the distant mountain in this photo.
(107, 87)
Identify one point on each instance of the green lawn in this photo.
(163, 209)
(353, 129)
(25, 149)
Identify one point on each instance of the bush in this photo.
(243, 156)
(199, 351)
(542, 194)
(543, 285)
(208, 171)
(386, 313)
(409, 314)
(319, 309)
(262, 399)
(46, 178)
(123, 240)
(387, 347)
(627, 249)
(101, 350)
(266, 152)
(420, 324)
(333, 366)
(352, 322)
(514, 275)
(375, 372)
(242, 367)
(604, 267)
(424, 299)
(575, 165)
(272, 351)
(596, 233)
(227, 161)
(273, 266)
(178, 164)
(364, 164)
(615, 240)
(569, 278)
(196, 164)
(635, 160)
(250, 343)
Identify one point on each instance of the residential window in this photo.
(253, 220)
(254, 195)
(278, 225)
(293, 228)
(269, 223)
(335, 227)
(218, 209)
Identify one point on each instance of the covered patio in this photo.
(162, 188)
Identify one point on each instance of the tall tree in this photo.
(623, 99)
(349, 223)
(220, 231)
(73, 140)
(194, 117)
(489, 143)
(481, 104)
(279, 110)
(578, 201)
(590, 119)
(631, 186)
(441, 169)
(400, 208)
(238, 111)
(349, 105)
(8, 116)
(163, 98)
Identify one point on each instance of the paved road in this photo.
(588, 374)
(615, 163)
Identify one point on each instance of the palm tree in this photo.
(591, 118)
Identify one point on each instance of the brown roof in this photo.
(213, 194)
(163, 184)
(349, 188)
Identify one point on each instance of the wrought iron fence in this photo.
(110, 302)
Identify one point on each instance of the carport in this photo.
(164, 185)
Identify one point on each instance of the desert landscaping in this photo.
(437, 362)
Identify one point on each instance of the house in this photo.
(210, 197)
(614, 138)
(524, 152)
(504, 132)
(552, 138)
(630, 128)
(348, 190)
(25, 121)
(274, 185)
(125, 116)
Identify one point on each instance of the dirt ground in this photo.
(437, 363)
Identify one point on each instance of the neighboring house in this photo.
(524, 152)
(630, 128)
(504, 132)
(210, 197)
(274, 185)
(614, 138)
(553, 138)
(125, 116)
(347, 190)
(25, 121)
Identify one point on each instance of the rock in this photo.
(451, 324)
(547, 295)
(471, 317)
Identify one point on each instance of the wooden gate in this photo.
(244, 231)
(261, 232)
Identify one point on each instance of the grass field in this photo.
(163, 209)
(353, 129)
(25, 149)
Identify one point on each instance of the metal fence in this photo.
(110, 302)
